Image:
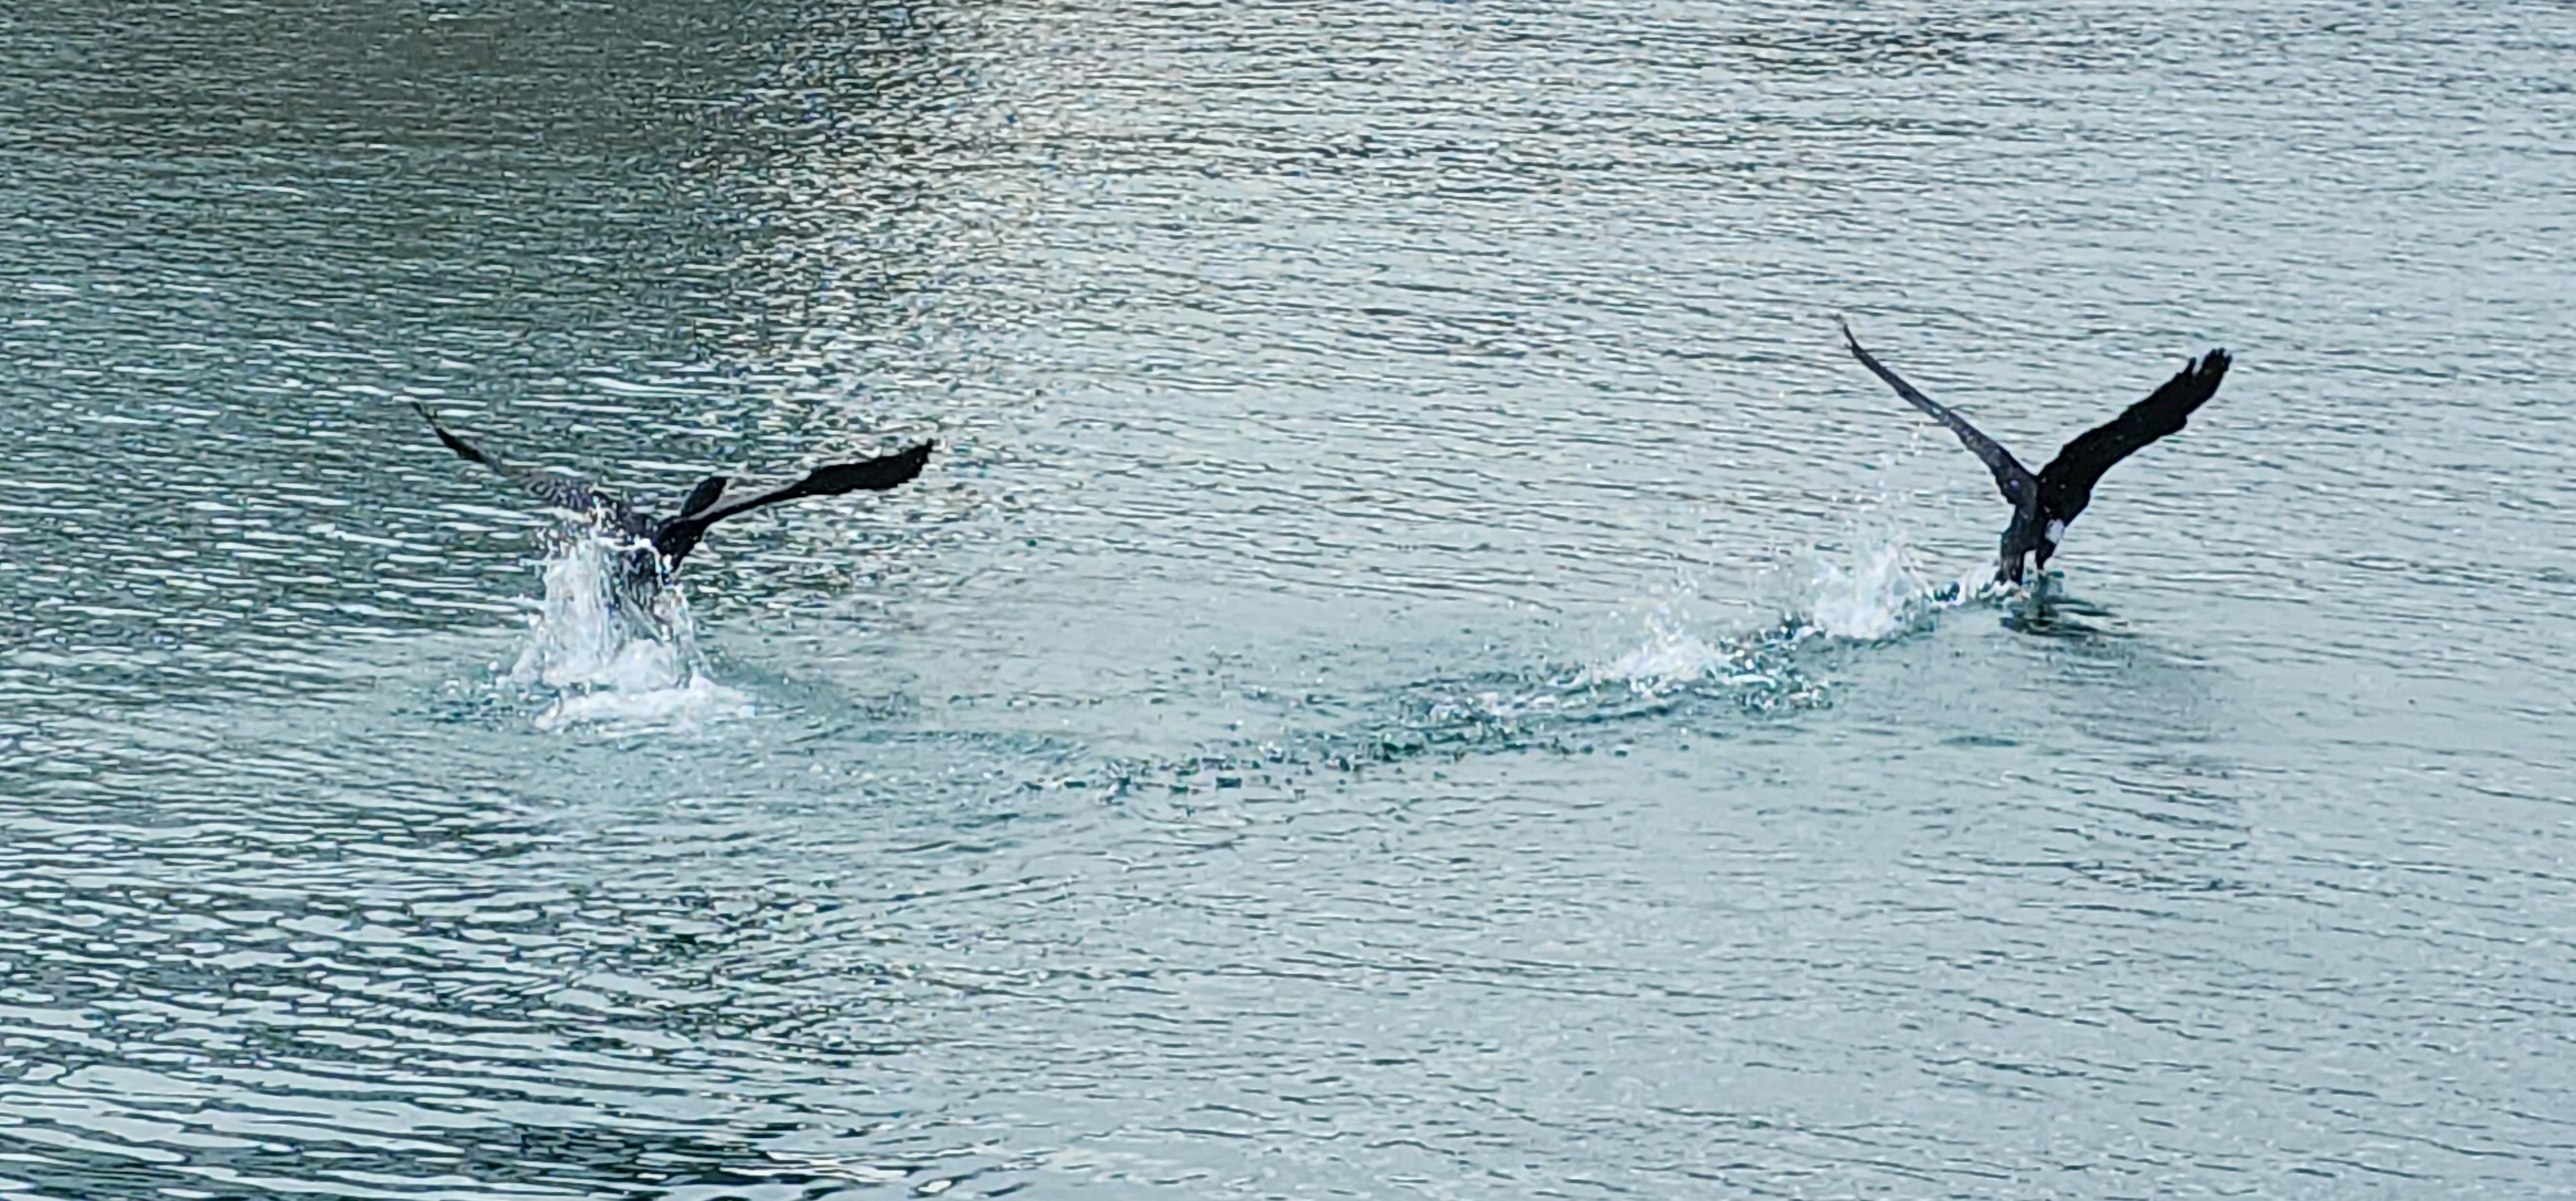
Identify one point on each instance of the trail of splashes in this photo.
(1755, 668)
(1874, 594)
(607, 660)
(1559, 709)
(1871, 590)
(1567, 711)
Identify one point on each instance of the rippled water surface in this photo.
(1419, 667)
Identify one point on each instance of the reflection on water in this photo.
(1426, 672)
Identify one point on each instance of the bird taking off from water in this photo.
(664, 541)
(2045, 503)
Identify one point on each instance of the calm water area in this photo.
(1419, 669)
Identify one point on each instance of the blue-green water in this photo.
(1414, 671)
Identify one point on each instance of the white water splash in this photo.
(1876, 592)
(1751, 664)
(1670, 657)
(608, 661)
(1870, 590)
(680, 707)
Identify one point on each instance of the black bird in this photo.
(664, 541)
(2043, 504)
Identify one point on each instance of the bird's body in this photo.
(657, 544)
(2045, 502)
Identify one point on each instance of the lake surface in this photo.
(1419, 669)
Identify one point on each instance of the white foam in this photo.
(609, 661)
(1870, 589)
(1670, 657)
(1874, 591)
(679, 707)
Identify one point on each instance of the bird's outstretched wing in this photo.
(873, 475)
(2016, 481)
(704, 494)
(569, 493)
(679, 535)
(2066, 484)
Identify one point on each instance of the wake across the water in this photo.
(1868, 590)
(594, 658)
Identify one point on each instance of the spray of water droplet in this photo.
(1868, 589)
(1670, 657)
(597, 656)
(1870, 592)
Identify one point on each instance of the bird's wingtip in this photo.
(1851, 341)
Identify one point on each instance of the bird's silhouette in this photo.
(2044, 503)
(662, 542)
